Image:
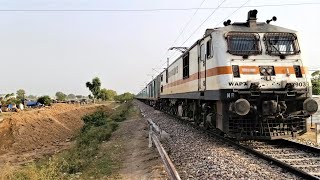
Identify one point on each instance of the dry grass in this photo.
(50, 170)
(7, 172)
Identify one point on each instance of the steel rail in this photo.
(275, 161)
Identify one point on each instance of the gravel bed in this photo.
(196, 155)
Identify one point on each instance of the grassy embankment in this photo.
(85, 159)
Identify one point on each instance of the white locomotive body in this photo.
(246, 79)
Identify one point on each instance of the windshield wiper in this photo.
(276, 48)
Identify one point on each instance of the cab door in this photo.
(202, 67)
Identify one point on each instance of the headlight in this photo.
(310, 106)
(241, 107)
(266, 70)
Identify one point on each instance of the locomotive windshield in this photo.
(243, 44)
(281, 44)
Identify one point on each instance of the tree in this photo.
(71, 96)
(8, 95)
(125, 97)
(61, 96)
(46, 100)
(90, 96)
(315, 74)
(21, 94)
(13, 101)
(107, 94)
(94, 87)
(315, 80)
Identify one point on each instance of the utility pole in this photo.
(167, 62)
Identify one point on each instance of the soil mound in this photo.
(27, 135)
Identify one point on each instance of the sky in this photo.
(44, 52)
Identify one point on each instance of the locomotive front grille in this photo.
(269, 128)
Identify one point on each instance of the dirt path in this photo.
(138, 162)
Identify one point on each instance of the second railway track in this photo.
(297, 158)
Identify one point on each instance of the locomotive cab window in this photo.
(243, 44)
(281, 44)
(209, 55)
(186, 66)
(167, 78)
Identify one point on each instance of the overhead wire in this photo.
(152, 10)
(203, 23)
(208, 17)
(232, 13)
(180, 33)
(186, 25)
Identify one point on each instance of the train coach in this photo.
(246, 79)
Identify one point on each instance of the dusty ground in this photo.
(310, 135)
(129, 145)
(30, 134)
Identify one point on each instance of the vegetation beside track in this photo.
(85, 159)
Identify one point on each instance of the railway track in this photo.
(297, 158)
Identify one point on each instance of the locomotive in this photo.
(246, 79)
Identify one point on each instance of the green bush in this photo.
(122, 112)
(46, 100)
(315, 86)
(125, 97)
(113, 126)
(96, 119)
(95, 130)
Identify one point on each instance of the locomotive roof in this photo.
(260, 27)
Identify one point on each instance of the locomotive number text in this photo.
(301, 84)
